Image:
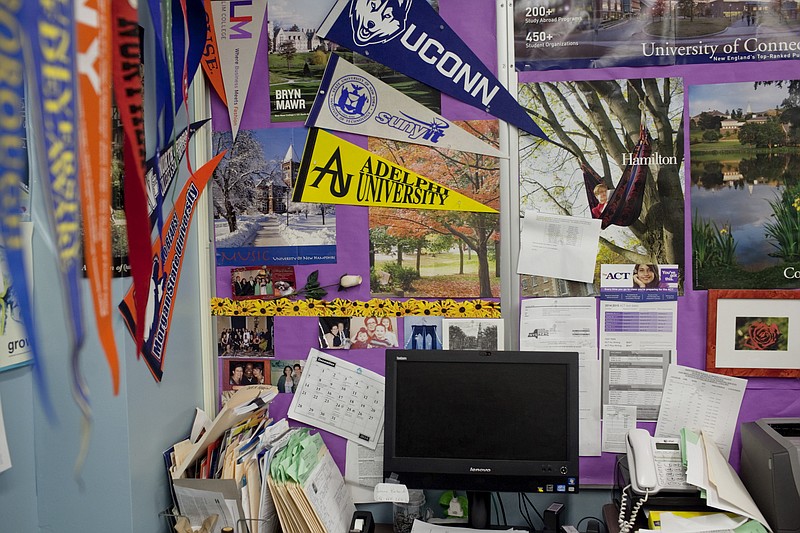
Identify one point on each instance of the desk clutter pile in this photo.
(255, 474)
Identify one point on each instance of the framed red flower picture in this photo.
(753, 333)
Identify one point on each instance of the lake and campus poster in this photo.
(745, 186)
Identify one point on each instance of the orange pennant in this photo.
(166, 260)
(210, 59)
(94, 68)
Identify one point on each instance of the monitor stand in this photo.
(479, 504)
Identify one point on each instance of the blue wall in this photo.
(123, 482)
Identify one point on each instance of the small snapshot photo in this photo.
(244, 336)
(262, 282)
(422, 333)
(235, 373)
(762, 333)
(472, 334)
(373, 332)
(285, 374)
(334, 333)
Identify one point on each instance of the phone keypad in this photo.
(671, 475)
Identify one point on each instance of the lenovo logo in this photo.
(473, 469)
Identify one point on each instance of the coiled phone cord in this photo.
(625, 526)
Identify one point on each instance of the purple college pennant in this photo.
(410, 37)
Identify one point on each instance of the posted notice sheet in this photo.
(637, 343)
(701, 401)
(558, 246)
(569, 325)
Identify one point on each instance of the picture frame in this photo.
(753, 333)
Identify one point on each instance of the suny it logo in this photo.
(240, 19)
(352, 99)
(378, 21)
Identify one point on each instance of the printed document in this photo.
(198, 504)
(558, 246)
(708, 470)
(637, 343)
(363, 469)
(618, 420)
(700, 400)
(569, 325)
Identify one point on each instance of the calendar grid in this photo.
(340, 397)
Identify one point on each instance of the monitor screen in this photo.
(478, 420)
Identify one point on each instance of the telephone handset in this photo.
(655, 463)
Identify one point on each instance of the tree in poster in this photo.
(237, 174)
(596, 123)
(473, 175)
(287, 51)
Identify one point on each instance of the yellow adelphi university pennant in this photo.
(334, 171)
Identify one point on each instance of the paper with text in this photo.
(363, 469)
(700, 400)
(197, 505)
(617, 421)
(637, 343)
(558, 246)
(569, 325)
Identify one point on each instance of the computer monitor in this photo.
(482, 421)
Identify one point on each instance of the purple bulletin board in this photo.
(475, 22)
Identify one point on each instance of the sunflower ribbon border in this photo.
(340, 307)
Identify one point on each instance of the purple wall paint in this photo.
(294, 336)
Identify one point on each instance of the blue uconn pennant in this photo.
(410, 37)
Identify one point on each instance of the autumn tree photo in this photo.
(432, 253)
(596, 124)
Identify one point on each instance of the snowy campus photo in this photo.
(253, 209)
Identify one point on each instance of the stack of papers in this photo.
(707, 469)
(692, 521)
(223, 473)
(308, 488)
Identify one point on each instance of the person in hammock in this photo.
(623, 205)
(601, 193)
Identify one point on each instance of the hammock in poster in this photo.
(625, 203)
